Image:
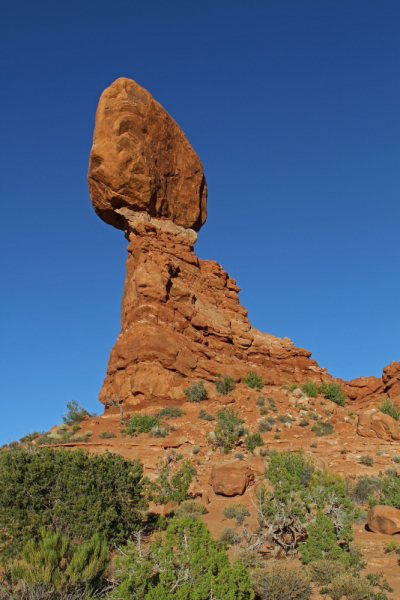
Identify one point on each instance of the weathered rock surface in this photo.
(391, 379)
(374, 424)
(384, 519)
(142, 160)
(232, 478)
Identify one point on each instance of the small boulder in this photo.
(373, 424)
(384, 519)
(229, 478)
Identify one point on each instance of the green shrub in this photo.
(396, 458)
(195, 449)
(160, 430)
(333, 391)
(314, 416)
(289, 470)
(141, 424)
(321, 429)
(263, 410)
(304, 423)
(271, 420)
(52, 565)
(277, 436)
(239, 512)
(389, 493)
(328, 413)
(170, 412)
(106, 435)
(89, 433)
(264, 426)
(264, 452)
(229, 536)
(79, 493)
(253, 440)
(367, 460)
(392, 546)
(203, 414)
(75, 427)
(253, 380)
(250, 559)
(365, 487)
(186, 563)
(324, 571)
(229, 429)
(352, 587)
(224, 385)
(321, 541)
(310, 388)
(313, 445)
(172, 482)
(239, 455)
(29, 437)
(190, 508)
(285, 419)
(61, 428)
(260, 401)
(196, 392)
(293, 386)
(75, 413)
(389, 407)
(281, 582)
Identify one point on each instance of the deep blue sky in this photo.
(293, 107)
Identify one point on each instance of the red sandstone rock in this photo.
(391, 379)
(384, 519)
(229, 478)
(375, 424)
(169, 507)
(141, 160)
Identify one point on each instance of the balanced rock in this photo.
(141, 160)
(384, 519)
(374, 424)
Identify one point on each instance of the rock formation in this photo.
(181, 316)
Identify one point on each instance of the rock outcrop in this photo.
(374, 424)
(384, 519)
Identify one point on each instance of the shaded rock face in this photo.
(142, 160)
(384, 519)
(373, 424)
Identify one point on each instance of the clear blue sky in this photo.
(293, 107)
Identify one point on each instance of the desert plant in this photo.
(263, 410)
(29, 437)
(229, 536)
(141, 424)
(321, 429)
(260, 401)
(89, 433)
(396, 458)
(313, 445)
(224, 384)
(380, 452)
(172, 481)
(229, 429)
(327, 412)
(367, 460)
(271, 420)
(196, 392)
(323, 571)
(190, 508)
(277, 436)
(250, 559)
(170, 412)
(365, 487)
(389, 492)
(239, 455)
(107, 434)
(352, 587)
(293, 386)
(253, 440)
(160, 430)
(333, 391)
(75, 413)
(195, 449)
(310, 388)
(264, 426)
(389, 407)
(392, 546)
(285, 419)
(281, 582)
(75, 427)
(313, 416)
(78, 493)
(253, 380)
(264, 452)
(321, 541)
(239, 512)
(304, 423)
(203, 414)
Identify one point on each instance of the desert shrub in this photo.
(263, 410)
(289, 470)
(264, 426)
(224, 385)
(195, 449)
(107, 434)
(229, 429)
(29, 437)
(239, 455)
(391, 546)
(324, 571)
(313, 416)
(396, 458)
(328, 413)
(89, 433)
(271, 420)
(277, 436)
(62, 427)
(170, 412)
(304, 423)
(285, 419)
(281, 582)
(389, 407)
(75, 427)
(260, 401)
(293, 386)
(253, 380)
(367, 460)
(78, 437)
(172, 481)
(52, 568)
(196, 392)
(310, 388)
(203, 414)
(252, 440)
(321, 429)
(160, 430)
(365, 487)
(352, 588)
(190, 508)
(141, 424)
(389, 493)
(185, 563)
(264, 452)
(239, 512)
(250, 559)
(313, 445)
(229, 536)
(78, 493)
(321, 541)
(333, 391)
(75, 413)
